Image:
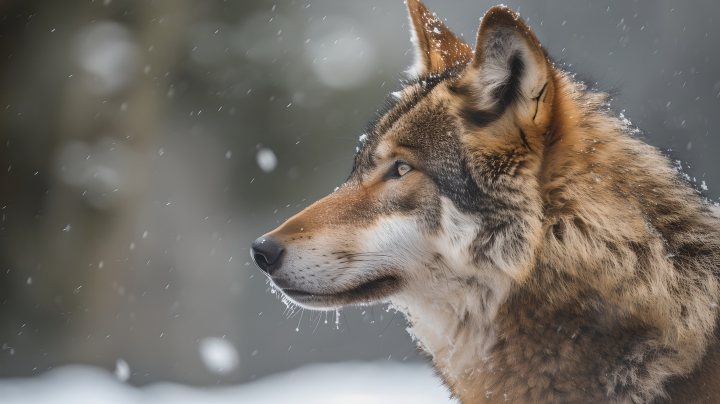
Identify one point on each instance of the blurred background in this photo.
(145, 144)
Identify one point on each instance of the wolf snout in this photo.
(266, 254)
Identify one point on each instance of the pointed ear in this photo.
(436, 48)
(510, 69)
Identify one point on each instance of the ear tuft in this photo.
(436, 47)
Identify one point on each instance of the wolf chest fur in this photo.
(541, 252)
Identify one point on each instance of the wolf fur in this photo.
(541, 252)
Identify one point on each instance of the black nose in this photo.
(266, 252)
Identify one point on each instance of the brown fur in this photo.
(593, 276)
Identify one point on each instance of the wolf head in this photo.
(520, 226)
(444, 185)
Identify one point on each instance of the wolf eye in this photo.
(399, 169)
(403, 168)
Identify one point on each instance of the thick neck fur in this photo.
(623, 289)
(455, 324)
(453, 314)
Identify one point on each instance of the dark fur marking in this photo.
(455, 181)
(478, 118)
(524, 139)
(506, 95)
(463, 324)
(462, 91)
(537, 99)
(509, 92)
(558, 230)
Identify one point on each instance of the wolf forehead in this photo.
(419, 120)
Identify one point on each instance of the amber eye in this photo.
(403, 168)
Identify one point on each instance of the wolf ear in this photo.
(510, 69)
(436, 48)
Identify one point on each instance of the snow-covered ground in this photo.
(339, 383)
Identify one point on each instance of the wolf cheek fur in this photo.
(541, 253)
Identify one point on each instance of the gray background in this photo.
(119, 118)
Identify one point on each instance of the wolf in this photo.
(541, 252)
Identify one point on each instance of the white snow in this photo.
(99, 169)
(339, 383)
(266, 159)
(107, 52)
(122, 370)
(340, 58)
(219, 355)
